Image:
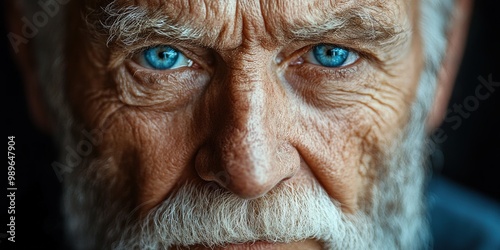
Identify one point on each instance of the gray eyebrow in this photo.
(128, 25)
(360, 25)
(363, 25)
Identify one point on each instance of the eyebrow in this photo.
(362, 25)
(128, 25)
(357, 25)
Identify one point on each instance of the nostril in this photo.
(202, 167)
(222, 178)
(208, 169)
(213, 185)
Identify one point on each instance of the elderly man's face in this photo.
(222, 115)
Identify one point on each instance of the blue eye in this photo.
(163, 57)
(332, 56)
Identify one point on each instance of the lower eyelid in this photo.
(344, 73)
(324, 68)
(138, 86)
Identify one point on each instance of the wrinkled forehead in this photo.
(252, 10)
(232, 20)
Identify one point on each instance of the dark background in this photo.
(469, 156)
(471, 153)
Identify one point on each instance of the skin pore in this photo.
(252, 112)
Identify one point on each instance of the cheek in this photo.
(346, 129)
(154, 149)
(147, 130)
(341, 152)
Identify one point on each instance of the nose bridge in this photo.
(253, 89)
(244, 141)
(247, 96)
(242, 155)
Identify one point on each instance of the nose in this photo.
(248, 152)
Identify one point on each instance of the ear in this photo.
(22, 48)
(457, 34)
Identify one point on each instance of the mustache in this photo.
(200, 214)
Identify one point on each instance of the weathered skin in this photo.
(251, 112)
